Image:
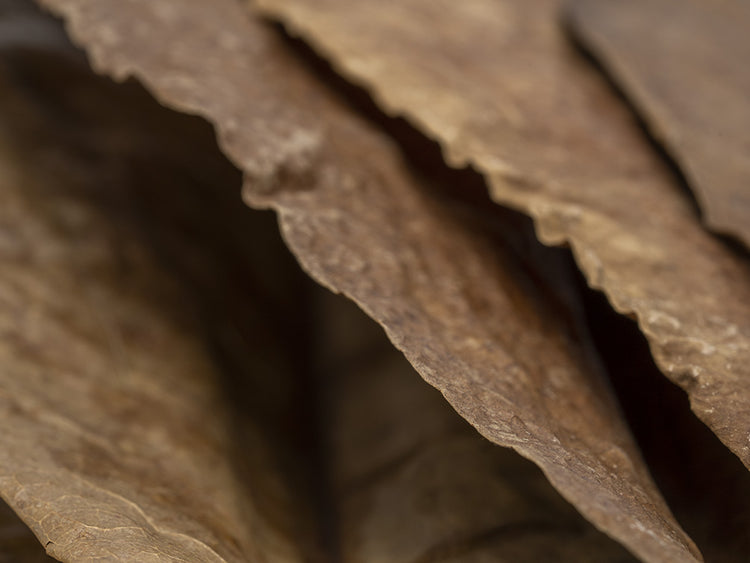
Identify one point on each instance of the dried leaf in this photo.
(685, 65)
(507, 495)
(115, 442)
(498, 85)
(456, 305)
(413, 482)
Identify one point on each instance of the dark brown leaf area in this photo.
(705, 484)
(412, 481)
(17, 543)
(116, 443)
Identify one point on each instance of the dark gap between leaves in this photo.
(688, 454)
(704, 483)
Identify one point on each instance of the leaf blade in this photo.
(439, 296)
(555, 143)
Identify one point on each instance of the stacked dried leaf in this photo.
(685, 63)
(174, 389)
(141, 466)
(497, 83)
(360, 224)
(412, 481)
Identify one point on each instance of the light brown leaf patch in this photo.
(685, 66)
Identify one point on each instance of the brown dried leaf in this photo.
(413, 482)
(498, 85)
(685, 65)
(361, 225)
(115, 445)
(446, 505)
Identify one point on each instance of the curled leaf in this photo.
(501, 89)
(138, 431)
(451, 298)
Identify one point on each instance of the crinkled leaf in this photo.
(359, 223)
(413, 482)
(154, 178)
(497, 83)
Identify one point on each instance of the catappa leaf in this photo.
(412, 481)
(448, 297)
(479, 500)
(499, 86)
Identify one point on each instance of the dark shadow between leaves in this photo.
(706, 485)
